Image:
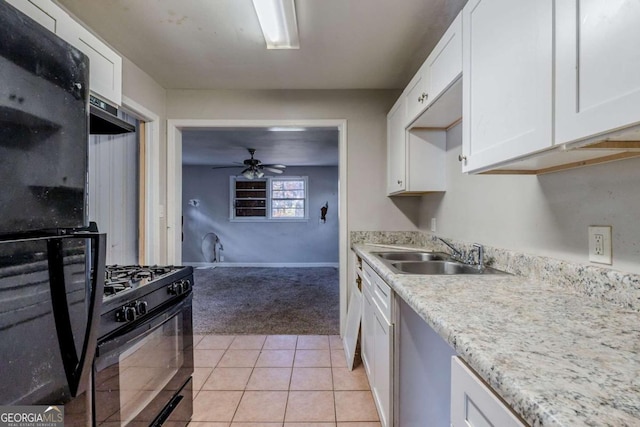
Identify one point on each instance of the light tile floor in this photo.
(278, 381)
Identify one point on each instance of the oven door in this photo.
(142, 376)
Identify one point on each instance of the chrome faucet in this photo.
(480, 249)
(467, 257)
(457, 254)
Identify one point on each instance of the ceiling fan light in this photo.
(248, 173)
(259, 173)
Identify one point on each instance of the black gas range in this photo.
(132, 292)
(144, 360)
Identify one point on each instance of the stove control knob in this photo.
(186, 284)
(126, 314)
(141, 308)
(176, 288)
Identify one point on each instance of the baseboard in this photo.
(262, 264)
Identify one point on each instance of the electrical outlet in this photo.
(600, 244)
(433, 225)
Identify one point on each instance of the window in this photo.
(269, 199)
(288, 197)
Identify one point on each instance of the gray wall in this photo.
(366, 162)
(259, 242)
(545, 215)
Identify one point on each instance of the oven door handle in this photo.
(77, 368)
(109, 351)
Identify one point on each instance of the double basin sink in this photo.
(430, 263)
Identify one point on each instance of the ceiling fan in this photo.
(254, 168)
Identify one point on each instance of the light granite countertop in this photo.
(558, 357)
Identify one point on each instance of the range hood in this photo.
(104, 119)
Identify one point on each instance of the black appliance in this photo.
(144, 360)
(51, 260)
(104, 119)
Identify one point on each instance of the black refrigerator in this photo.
(51, 258)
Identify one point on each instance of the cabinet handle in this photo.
(423, 97)
(462, 158)
(400, 181)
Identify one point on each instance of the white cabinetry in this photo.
(440, 71)
(474, 404)
(507, 69)
(416, 94)
(377, 342)
(432, 99)
(105, 78)
(415, 158)
(45, 13)
(597, 67)
(105, 64)
(396, 148)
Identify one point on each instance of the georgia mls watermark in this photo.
(32, 416)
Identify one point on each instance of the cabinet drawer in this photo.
(380, 292)
(369, 277)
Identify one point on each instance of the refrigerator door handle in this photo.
(77, 368)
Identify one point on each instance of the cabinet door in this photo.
(44, 12)
(445, 62)
(383, 369)
(597, 67)
(416, 94)
(367, 338)
(106, 65)
(396, 148)
(473, 404)
(507, 90)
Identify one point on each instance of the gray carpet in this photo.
(251, 300)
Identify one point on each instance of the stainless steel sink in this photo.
(441, 267)
(413, 256)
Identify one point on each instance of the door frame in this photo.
(151, 233)
(174, 185)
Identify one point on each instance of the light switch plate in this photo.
(600, 244)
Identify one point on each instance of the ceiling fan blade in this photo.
(225, 167)
(275, 166)
(270, 169)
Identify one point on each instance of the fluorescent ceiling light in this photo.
(278, 21)
(286, 129)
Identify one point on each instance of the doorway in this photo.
(174, 212)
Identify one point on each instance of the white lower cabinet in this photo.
(474, 404)
(377, 342)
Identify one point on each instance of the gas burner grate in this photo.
(119, 278)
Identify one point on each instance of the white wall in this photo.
(546, 215)
(143, 90)
(259, 242)
(365, 111)
(113, 192)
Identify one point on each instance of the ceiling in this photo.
(218, 44)
(223, 146)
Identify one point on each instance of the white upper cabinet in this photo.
(416, 94)
(396, 148)
(597, 67)
(507, 91)
(44, 12)
(105, 64)
(105, 67)
(445, 62)
(440, 71)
